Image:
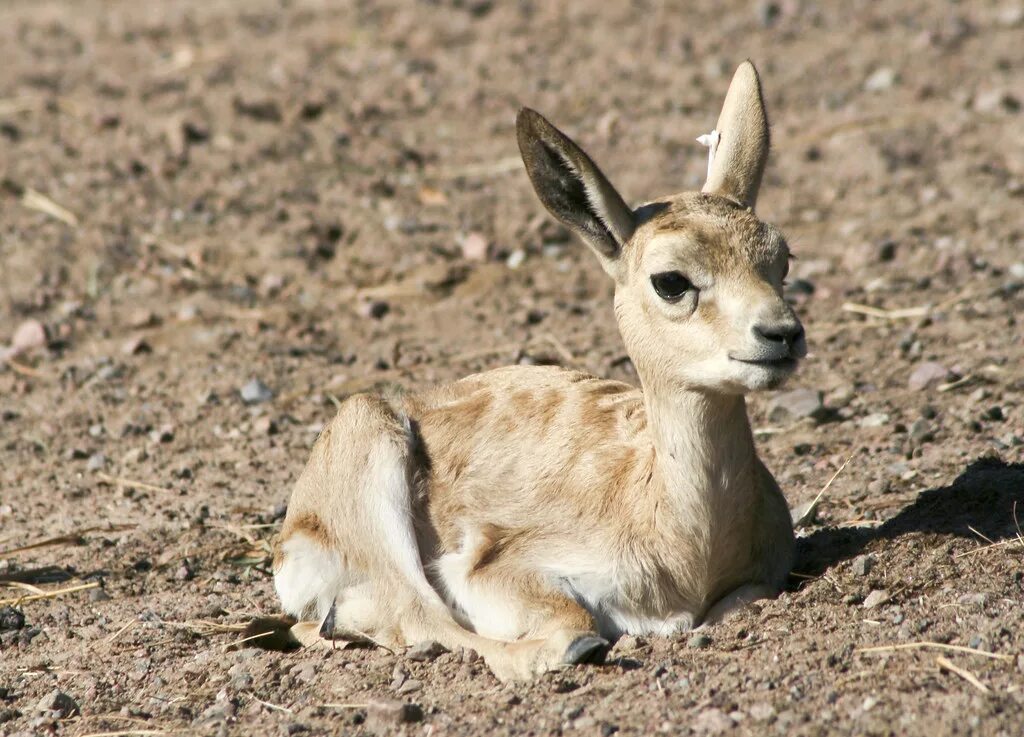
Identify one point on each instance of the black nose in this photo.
(781, 333)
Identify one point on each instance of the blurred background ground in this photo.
(217, 218)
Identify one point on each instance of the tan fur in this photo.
(525, 511)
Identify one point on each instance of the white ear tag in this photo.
(711, 141)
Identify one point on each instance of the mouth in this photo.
(787, 363)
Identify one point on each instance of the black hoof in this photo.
(586, 649)
(328, 627)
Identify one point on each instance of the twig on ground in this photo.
(120, 481)
(945, 664)
(40, 202)
(50, 594)
(24, 370)
(267, 704)
(896, 314)
(924, 645)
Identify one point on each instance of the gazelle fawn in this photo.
(535, 513)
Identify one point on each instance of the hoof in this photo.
(328, 626)
(586, 649)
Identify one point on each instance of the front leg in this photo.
(542, 628)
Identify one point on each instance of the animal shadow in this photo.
(981, 501)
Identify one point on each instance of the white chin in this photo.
(760, 377)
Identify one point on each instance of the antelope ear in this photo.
(742, 148)
(573, 189)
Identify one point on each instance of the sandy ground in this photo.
(327, 196)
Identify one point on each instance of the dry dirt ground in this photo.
(327, 196)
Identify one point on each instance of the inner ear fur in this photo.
(572, 187)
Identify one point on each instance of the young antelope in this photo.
(533, 514)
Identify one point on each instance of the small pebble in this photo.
(256, 392)
(11, 619)
(58, 703)
(384, 714)
(699, 641)
(880, 80)
(862, 564)
(927, 375)
(875, 598)
(424, 651)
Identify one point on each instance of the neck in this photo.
(703, 445)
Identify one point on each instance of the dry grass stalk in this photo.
(267, 704)
(70, 539)
(49, 594)
(120, 481)
(205, 628)
(23, 586)
(24, 370)
(926, 645)
(40, 202)
(897, 314)
(945, 664)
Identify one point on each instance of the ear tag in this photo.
(711, 141)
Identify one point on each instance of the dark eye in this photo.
(671, 285)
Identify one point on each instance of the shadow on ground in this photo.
(982, 501)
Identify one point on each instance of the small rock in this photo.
(712, 721)
(134, 456)
(862, 564)
(264, 110)
(877, 487)
(136, 346)
(163, 434)
(795, 405)
(265, 426)
(979, 600)
(398, 676)
(97, 595)
(304, 672)
(994, 412)
(30, 334)
(876, 419)
(1020, 663)
(880, 80)
(994, 101)
(256, 392)
(383, 714)
(699, 641)
(475, 247)
(424, 651)
(143, 319)
(926, 375)
(59, 702)
(921, 431)
(761, 712)
(876, 597)
(410, 686)
(11, 619)
(626, 644)
(376, 309)
(804, 515)
(768, 13)
(1010, 16)
(96, 462)
(516, 259)
(886, 251)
